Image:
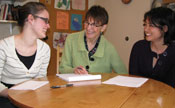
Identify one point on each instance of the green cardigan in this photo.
(75, 54)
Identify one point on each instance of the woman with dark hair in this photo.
(154, 57)
(24, 56)
(88, 50)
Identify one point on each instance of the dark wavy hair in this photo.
(29, 8)
(160, 17)
(98, 13)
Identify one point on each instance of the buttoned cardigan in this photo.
(13, 71)
(75, 54)
(141, 63)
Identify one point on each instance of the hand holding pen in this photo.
(80, 70)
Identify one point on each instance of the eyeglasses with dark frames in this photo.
(92, 24)
(46, 20)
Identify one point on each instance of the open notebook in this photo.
(78, 77)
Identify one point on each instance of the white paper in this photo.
(30, 85)
(78, 4)
(126, 81)
(78, 77)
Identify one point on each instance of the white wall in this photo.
(125, 20)
(7, 29)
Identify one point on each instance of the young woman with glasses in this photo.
(24, 56)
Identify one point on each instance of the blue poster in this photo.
(76, 22)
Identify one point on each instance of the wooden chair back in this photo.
(59, 53)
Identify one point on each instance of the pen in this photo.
(61, 86)
(79, 68)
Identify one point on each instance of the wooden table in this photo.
(153, 94)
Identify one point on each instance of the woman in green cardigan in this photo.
(88, 50)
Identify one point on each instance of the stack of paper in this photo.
(126, 81)
(78, 77)
(85, 83)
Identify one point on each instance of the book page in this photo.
(85, 83)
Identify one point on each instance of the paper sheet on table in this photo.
(126, 81)
(30, 85)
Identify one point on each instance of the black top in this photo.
(26, 60)
(141, 63)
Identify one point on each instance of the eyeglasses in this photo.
(46, 20)
(86, 23)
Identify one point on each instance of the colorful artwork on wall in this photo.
(62, 4)
(62, 20)
(59, 39)
(76, 22)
